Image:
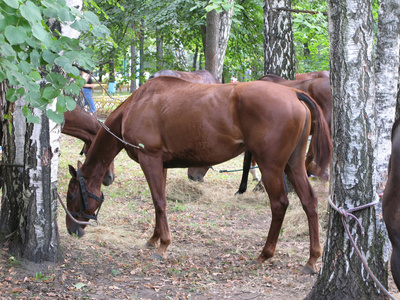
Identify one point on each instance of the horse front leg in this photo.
(156, 178)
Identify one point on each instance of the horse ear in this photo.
(72, 171)
(79, 164)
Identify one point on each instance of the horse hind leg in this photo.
(274, 185)
(156, 178)
(296, 172)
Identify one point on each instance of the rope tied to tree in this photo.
(345, 215)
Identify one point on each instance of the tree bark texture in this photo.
(279, 58)
(217, 36)
(386, 84)
(353, 177)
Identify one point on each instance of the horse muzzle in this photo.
(74, 228)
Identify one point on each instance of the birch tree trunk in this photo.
(29, 200)
(217, 36)
(386, 83)
(353, 176)
(279, 58)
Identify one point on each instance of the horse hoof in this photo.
(157, 256)
(253, 265)
(150, 246)
(307, 270)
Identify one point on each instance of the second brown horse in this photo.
(175, 123)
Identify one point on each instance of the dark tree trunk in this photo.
(133, 62)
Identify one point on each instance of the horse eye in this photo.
(70, 197)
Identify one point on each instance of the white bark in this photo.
(386, 82)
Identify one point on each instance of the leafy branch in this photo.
(32, 48)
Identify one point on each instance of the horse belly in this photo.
(201, 150)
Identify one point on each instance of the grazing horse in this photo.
(391, 203)
(312, 75)
(82, 125)
(200, 76)
(172, 123)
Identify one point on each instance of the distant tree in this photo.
(219, 20)
(278, 39)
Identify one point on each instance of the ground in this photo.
(215, 236)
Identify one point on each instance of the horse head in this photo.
(82, 204)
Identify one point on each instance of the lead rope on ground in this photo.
(347, 213)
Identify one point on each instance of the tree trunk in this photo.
(279, 58)
(111, 65)
(386, 83)
(196, 53)
(217, 36)
(353, 177)
(141, 58)
(133, 62)
(160, 52)
(30, 156)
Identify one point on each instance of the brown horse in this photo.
(175, 123)
(200, 76)
(320, 90)
(82, 125)
(391, 203)
(312, 75)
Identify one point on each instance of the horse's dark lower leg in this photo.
(279, 203)
(156, 178)
(309, 201)
(245, 174)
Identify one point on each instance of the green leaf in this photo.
(70, 103)
(35, 76)
(2, 76)
(50, 92)
(28, 115)
(81, 25)
(73, 88)
(6, 50)
(65, 15)
(30, 12)
(49, 56)
(12, 3)
(25, 67)
(56, 117)
(101, 31)
(11, 95)
(15, 35)
(91, 18)
(40, 33)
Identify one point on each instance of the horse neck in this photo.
(102, 152)
(80, 124)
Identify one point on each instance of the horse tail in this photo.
(321, 143)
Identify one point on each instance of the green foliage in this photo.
(30, 51)
(311, 37)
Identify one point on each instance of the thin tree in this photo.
(217, 35)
